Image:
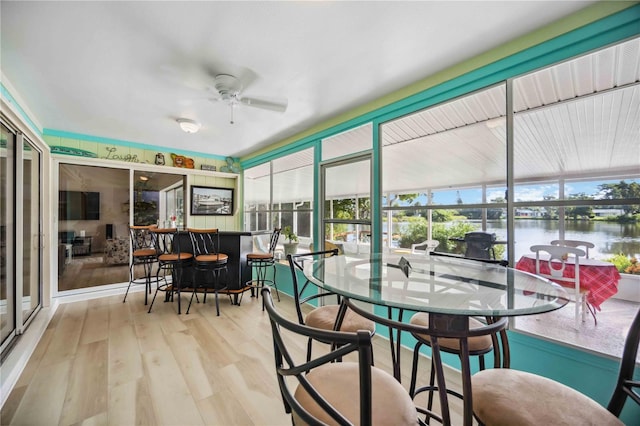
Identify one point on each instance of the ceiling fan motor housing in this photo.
(227, 86)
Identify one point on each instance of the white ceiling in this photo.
(127, 70)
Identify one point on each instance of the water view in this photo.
(610, 238)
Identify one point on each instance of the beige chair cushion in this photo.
(324, 318)
(476, 343)
(339, 384)
(510, 397)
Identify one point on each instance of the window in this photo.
(576, 168)
(346, 215)
(444, 172)
(257, 197)
(280, 194)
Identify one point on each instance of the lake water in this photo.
(609, 237)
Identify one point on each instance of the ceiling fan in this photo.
(228, 89)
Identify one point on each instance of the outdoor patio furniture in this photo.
(424, 247)
(584, 245)
(480, 245)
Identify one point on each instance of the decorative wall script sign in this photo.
(111, 155)
(72, 151)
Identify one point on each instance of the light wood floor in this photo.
(104, 362)
(605, 337)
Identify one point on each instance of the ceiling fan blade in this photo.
(272, 105)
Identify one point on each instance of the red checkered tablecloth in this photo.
(600, 278)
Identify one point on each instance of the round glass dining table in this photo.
(449, 289)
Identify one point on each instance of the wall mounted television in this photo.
(79, 205)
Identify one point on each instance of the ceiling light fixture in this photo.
(188, 126)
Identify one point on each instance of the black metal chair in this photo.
(478, 346)
(324, 316)
(205, 244)
(173, 257)
(259, 262)
(625, 385)
(143, 252)
(330, 392)
(506, 396)
(479, 245)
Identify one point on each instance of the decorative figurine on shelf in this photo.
(182, 161)
(232, 166)
(160, 159)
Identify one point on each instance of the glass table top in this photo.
(436, 284)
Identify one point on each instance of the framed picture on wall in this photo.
(206, 201)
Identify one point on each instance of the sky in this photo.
(535, 192)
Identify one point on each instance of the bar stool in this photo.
(477, 346)
(260, 261)
(507, 396)
(143, 252)
(205, 244)
(171, 257)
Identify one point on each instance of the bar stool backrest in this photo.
(300, 294)
(626, 386)
(273, 242)
(164, 241)
(204, 241)
(141, 237)
(291, 372)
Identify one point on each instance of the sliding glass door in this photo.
(93, 233)
(20, 213)
(94, 213)
(31, 231)
(7, 236)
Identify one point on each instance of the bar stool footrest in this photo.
(235, 292)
